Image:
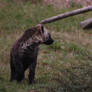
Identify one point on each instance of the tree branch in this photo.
(86, 24)
(67, 14)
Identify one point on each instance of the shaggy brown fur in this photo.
(24, 52)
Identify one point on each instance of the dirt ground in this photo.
(66, 3)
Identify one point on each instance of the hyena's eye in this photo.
(42, 29)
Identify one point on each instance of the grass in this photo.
(65, 66)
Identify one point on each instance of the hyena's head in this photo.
(42, 35)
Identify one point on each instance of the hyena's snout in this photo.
(49, 40)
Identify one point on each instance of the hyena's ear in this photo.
(40, 27)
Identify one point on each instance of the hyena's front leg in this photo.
(31, 75)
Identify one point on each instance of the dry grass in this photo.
(65, 66)
(67, 3)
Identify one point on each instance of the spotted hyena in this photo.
(24, 52)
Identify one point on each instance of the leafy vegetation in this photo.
(65, 66)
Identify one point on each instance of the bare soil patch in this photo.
(66, 3)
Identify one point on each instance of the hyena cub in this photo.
(24, 52)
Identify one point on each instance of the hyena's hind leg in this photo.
(12, 73)
(17, 71)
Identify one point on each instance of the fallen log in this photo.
(86, 24)
(67, 14)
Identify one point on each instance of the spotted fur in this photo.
(24, 52)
